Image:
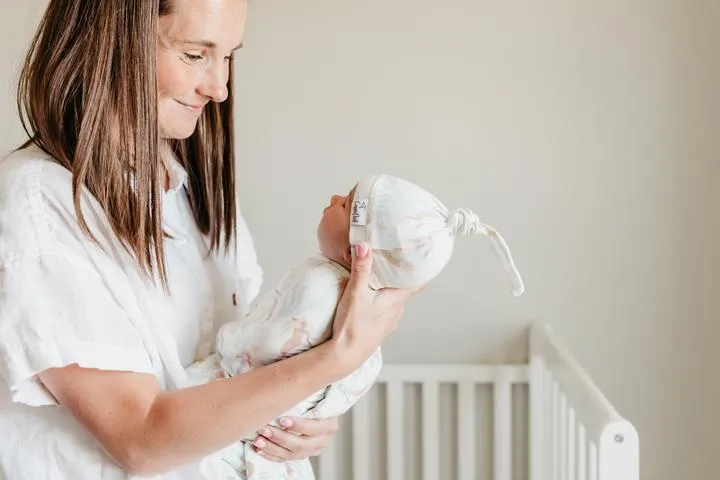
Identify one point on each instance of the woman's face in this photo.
(195, 43)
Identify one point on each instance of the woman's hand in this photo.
(364, 317)
(297, 439)
(363, 320)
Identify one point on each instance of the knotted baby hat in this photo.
(413, 234)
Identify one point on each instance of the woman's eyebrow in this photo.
(207, 44)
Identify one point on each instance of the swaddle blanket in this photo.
(293, 317)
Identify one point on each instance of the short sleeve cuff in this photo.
(20, 371)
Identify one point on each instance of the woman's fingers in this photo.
(365, 317)
(268, 456)
(267, 447)
(311, 427)
(290, 445)
(360, 270)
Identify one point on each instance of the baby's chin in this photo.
(334, 255)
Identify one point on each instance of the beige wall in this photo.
(586, 132)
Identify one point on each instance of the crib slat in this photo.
(593, 462)
(395, 428)
(361, 439)
(538, 392)
(327, 462)
(503, 429)
(582, 453)
(556, 431)
(466, 431)
(563, 437)
(571, 444)
(549, 421)
(431, 431)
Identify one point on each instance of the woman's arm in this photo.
(148, 431)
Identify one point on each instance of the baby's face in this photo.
(334, 229)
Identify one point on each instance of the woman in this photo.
(122, 251)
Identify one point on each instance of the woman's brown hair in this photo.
(87, 96)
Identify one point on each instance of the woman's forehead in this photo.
(213, 23)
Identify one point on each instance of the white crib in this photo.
(545, 420)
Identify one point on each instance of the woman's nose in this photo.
(215, 85)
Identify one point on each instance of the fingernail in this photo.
(286, 422)
(265, 432)
(260, 443)
(361, 250)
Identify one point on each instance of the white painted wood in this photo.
(582, 454)
(537, 389)
(548, 424)
(361, 440)
(571, 444)
(556, 431)
(431, 430)
(593, 462)
(452, 373)
(618, 453)
(583, 394)
(502, 430)
(395, 430)
(563, 437)
(574, 431)
(466, 431)
(327, 462)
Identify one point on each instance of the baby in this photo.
(412, 236)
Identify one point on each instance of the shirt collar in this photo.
(177, 174)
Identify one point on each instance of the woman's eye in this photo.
(193, 58)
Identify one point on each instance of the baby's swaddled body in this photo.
(294, 316)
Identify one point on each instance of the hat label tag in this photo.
(358, 216)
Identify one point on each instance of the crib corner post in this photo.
(536, 448)
(619, 452)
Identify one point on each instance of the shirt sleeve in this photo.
(56, 308)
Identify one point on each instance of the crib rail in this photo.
(575, 432)
(570, 429)
(466, 377)
(430, 377)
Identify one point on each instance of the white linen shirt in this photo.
(66, 300)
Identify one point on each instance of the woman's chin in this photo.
(178, 131)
